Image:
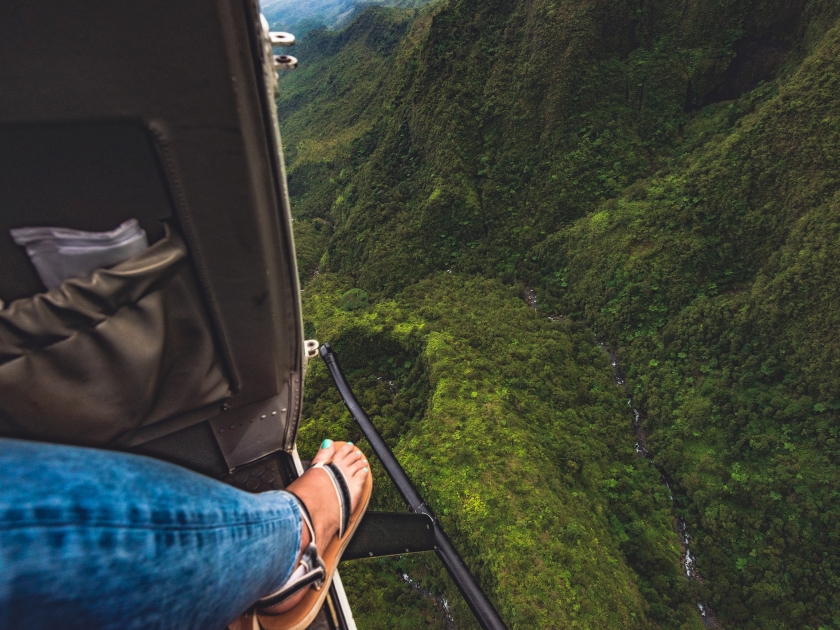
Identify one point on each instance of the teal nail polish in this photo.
(350, 443)
(326, 443)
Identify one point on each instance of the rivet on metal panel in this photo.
(256, 432)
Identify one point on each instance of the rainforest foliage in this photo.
(514, 430)
(664, 174)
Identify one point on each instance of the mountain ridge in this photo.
(302, 17)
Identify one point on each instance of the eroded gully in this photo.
(689, 565)
(438, 600)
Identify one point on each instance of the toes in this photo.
(345, 450)
(357, 467)
(356, 476)
(326, 453)
(348, 455)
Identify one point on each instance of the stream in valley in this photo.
(680, 526)
(689, 564)
(438, 600)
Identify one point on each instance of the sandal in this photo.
(315, 570)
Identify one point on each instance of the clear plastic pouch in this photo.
(62, 253)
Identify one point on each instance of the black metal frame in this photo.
(389, 534)
(481, 607)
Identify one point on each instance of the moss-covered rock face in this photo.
(665, 173)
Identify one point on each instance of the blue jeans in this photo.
(94, 539)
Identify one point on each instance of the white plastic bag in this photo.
(61, 253)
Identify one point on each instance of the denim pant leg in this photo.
(94, 539)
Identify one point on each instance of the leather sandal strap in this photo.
(315, 571)
(342, 490)
(305, 516)
(315, 575)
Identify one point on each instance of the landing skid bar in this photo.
(481, 607)
(386, 534)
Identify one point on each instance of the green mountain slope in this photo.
(302, 17)
(517, 435)
(719, 283)
(665, 173)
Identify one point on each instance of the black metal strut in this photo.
(481, 607)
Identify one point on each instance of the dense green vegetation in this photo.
(719, 282)
(514, 430)
(665, 174)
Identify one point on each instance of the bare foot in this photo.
(317, 492)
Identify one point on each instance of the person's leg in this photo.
(95, 539)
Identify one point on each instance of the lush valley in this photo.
(665, 175)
